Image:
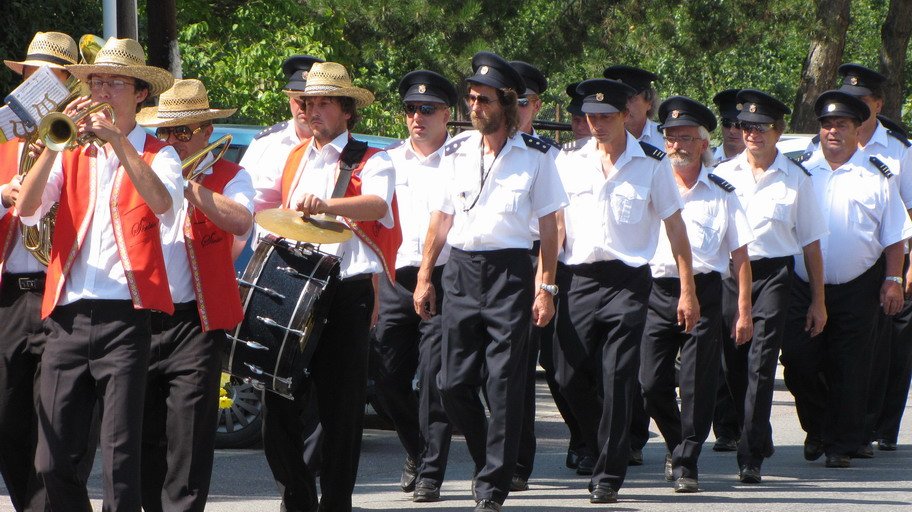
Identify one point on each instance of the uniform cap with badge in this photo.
(576, 99)
(727, 103)
(427, 87)
(759, 107)
(295, 69)
(838, 103)
(639, 79)
(492, 70)
(683, 111)
(604, 96)
(860, 81)
(535, 80)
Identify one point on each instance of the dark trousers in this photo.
(750, 369)
(407, 345)
(725, 417)
(181, 411)
(684, 429)
(600, 327)
(827, 373)
(21, 342)
(488, 307)
(339, 379)
(95, 349)
(639, 420)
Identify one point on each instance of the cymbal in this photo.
(291, 224)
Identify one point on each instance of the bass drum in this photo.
(286, 290)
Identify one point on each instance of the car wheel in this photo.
(240, 415)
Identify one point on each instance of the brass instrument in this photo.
(58, 131)
(188, 165)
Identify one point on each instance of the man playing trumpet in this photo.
(106, 272)
(182, 389)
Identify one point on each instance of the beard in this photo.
(681, 158)
(488, 123)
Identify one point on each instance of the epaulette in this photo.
(719, 180)
(272, 129)
(549, 141)
(882, 167)
(798, 161)
(721, 161)
(573, 145)
(535, 143)
(652, 151)
(815, 140)
(900, 137)
(453, 146)
(394, 145)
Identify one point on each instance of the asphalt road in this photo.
(242, 481)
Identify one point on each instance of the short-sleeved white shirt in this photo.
(651, 134)
(618, 217)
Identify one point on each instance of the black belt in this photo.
(185, 306)
(357, 277)
(25, 282)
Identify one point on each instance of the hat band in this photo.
(49, 58)
(180, 113)
(324, 88)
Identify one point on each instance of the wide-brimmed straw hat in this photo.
(185, 103)
(331, 79)
(125, 57)
(51, 49)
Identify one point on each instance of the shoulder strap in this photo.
(352, 154)
(535, 143)
(652, 151)
(798, 161)
(882, 167)
(719, 180)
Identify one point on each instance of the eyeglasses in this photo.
(181, 133)
(481, 99)
(425, 110)
(114, 85)
(683, 139)
(729, 123)
(757, 127)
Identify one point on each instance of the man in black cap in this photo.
(777, 196)
(732, 142)
(487, 284)
(862, 256)
(530, 102)
(717, 228)
(578, 124)
(600, 324)
(642, 105)
(405, 342)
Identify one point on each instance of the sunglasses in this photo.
(181, 133)
(481, 99)
(756, 127)
(424, 110)
(525, 101)
(729, 123)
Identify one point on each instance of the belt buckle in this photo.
(28, 283)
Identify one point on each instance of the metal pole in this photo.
(109, 18)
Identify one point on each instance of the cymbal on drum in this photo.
(291, 224)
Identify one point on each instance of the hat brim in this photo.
(19, 66)
(362, 97)
(159, 80)
(598, 108)
(483, 80)
(671, 123)
(295, 85)
(855, 90)
(753, 117)
(149, 116)
(424, 98)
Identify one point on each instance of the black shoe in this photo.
(838, 461)
(426, 492)
(636, 457)
(750, 475)
(686, 485)
(603, 493)
(866, 451)
(586, 465)
(813, 448)
(487, 506)
(519, 484)
(573, 459)
(409, 475)
(725, 444)
(886, 446)
(669, 471)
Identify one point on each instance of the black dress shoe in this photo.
(686, 485)
(838, 461)
(409, 475)
(603, 493)
(487, 506)
(519, 484)
(886, 446)
(586, 465)
(573, 459)
(669, 470)
(750, 475)
(813, 448)
(636, 457)
(865, 451)
(426, 492)
(725, 444)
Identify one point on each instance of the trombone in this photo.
(188, 165)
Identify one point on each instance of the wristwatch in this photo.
(550, 288)
(896, 279)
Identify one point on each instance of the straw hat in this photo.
(331, 79)
(51, 49)
(125, 57)
(185, 103)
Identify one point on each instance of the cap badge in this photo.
(853, 80)
(599, 96)
(831, 107)
(752, 108)
(304, 75)
(483, 70)
(739, 106)
(675, 113)
(422, 88)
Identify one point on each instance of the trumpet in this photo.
(188, 165)
(58, 131)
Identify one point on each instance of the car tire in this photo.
(240, 414)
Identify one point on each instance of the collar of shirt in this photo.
(819, 162)
(426, 160)
(879, 137)
(633, 150)
(137, 139)
(291, 133)
(336, 145)
(780, 163)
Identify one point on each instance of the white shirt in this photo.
(716, 226)
(651, 134)
(417, 179)
(521, 185)
(618, 217)
(180, 279)
(265, 160)
(781, 207)
(317, 176)
(97, 272)
(552, 152)
(719, 156)
(864, 212)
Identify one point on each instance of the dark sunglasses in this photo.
(181, 133)
(481, 99)
(425, 110)
(756, 127)
(729, 123)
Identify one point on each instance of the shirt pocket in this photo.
(707, 235)
(628, 202)
(510, 192)
(863, 213)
